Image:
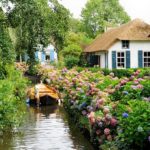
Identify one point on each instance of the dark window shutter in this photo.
(93, 60)
(114, 59)
(127, 59)
(140, 59)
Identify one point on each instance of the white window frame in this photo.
(146, 57)
(121, 57)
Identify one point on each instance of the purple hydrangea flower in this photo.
(125, 115)
(100, 124)
(149, 138)
(89, 108)
(84, 112)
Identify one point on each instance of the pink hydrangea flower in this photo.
(113, 122)
(136, 81)
(123, 82)
(100, 101)
(98, 132)
(106, 131)
(108, 117)
(106, 110)
(139, 86)
(109, 138)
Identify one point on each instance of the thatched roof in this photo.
(134, 30)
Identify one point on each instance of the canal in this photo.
(46, 128)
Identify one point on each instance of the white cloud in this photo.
(135, 8)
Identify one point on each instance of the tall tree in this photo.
(7, 54)
(98, 14)
(59, 23)
(29, 17)
(38, 22)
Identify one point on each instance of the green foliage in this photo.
(3, 71)
(114, 111)
(84, 122)
(29, 19)
(146, 88)
(12, 93)
(60, 64)
(80, 38)
(144, 72)
(37, 22)
(130, 91)
(106, 83)
(123, 72)
(72, 50)
(75, 25)
(33, 69)
(99, 14)
(133, 130)
(71, 61)
(83, 61)
(74, 44)
(6, 49)
(59, 24)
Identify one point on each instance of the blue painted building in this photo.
(45, 55)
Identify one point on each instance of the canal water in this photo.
(46, 128)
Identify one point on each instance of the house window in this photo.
(47, 57)
(125, 44)
(146, 59)
(120, 59)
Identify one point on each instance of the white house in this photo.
(45, 55)
(127, 46)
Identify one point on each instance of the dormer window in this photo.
(125, 44)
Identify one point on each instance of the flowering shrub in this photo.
(134, 87)
(104, 105)
(134, 124)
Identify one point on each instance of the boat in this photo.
(42, 94)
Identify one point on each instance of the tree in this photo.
(59, 23)
(29, 17)
(75, 25)
(72, 50)
(74, 44)
(79, 38)
(7, 54)
(99, 14)
(38, 22)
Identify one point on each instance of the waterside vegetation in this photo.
(115, 111)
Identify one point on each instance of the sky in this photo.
(134, 8)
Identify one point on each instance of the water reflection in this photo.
(46, 128)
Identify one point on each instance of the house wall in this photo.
(134, 47)
(102, 59)
(40, 56)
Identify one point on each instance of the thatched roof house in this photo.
(122, 47)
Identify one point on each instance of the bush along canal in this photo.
(113, 112)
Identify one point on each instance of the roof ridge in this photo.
(136, 29)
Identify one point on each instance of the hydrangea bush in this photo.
(114, 110)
